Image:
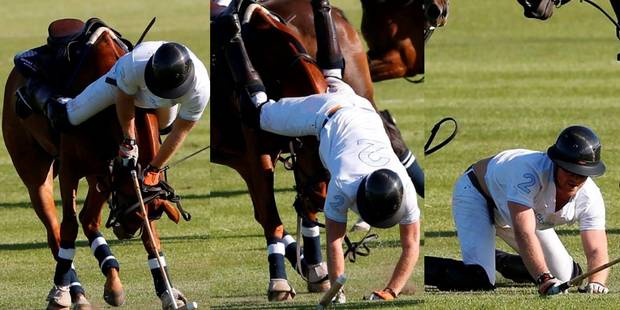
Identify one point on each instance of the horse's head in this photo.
(394, 32)
(436, 12)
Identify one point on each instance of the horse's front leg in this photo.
(90, 218)
(153, 247)
(259, 177)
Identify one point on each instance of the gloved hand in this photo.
(385, 294)
(150, 180)
(128, 153)
(548, 285)
(594, 288)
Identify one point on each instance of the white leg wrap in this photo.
(288, 239)
(276, 248)
(310, 231)
(96, 243)
(67, 254)
(153, 264)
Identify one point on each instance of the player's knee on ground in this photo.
(453, 275)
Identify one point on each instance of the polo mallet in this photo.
(136, 185)
(333, 290)
(564, 286)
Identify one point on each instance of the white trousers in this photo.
(98, 96)
(304, 116)
(476, 234)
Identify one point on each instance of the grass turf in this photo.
(513, 82)
(239, 274)
(27, 263)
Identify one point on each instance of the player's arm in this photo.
(335, 258)
(126, 111)
(410, 244)
(180, 130)
(595, 248)
(524, 225)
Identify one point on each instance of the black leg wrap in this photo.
(328, 53)
(453, 275)
(415, 172)
(511, 267)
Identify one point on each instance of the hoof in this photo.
(168, 304)
(280, 290)
(59, 298)
(81, 303)
(113, 292)
(317, 278)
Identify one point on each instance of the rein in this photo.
(430, 150)
(616, 8)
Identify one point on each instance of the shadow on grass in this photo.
(225, 194)
(561, 232)
(84, 243)
(221, 194)
(348, 305)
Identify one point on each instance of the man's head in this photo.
(577, 155)
(169, 72)
(379, 198)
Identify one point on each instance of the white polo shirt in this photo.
(353, 144)
(527, 178)
(129, 75)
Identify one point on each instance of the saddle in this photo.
(56, 61)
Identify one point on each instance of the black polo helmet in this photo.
(169, 72)
(578, 150)
(379, 198)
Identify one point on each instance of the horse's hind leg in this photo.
(90, 218)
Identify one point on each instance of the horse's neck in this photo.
(147, 134)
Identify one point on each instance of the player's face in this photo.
(568, 182)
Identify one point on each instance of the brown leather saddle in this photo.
(60, 57)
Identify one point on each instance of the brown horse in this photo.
(287, 70)
(396, 31)
(39, 154)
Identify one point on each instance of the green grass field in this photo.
(238, 276)
(513, 82)
(27, 265)
(510, 82)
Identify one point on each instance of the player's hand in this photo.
(128, 153)
(385, 294)
(594, 288)
(550, 287)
